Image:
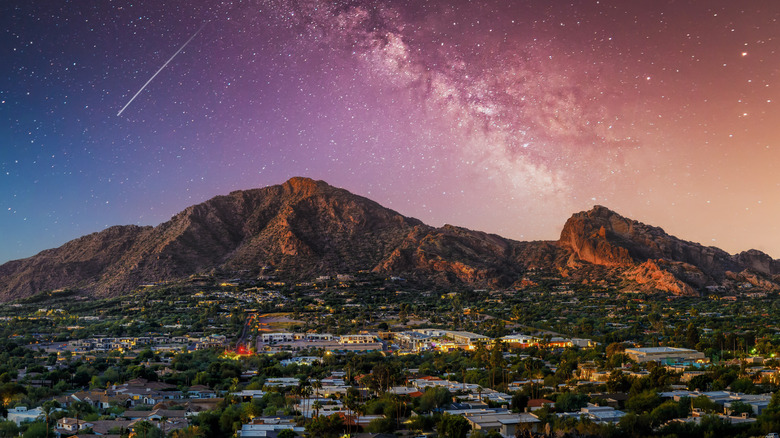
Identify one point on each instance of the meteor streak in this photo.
(161, 68)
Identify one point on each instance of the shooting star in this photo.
(161, 68)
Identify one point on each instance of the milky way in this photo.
(501, 116)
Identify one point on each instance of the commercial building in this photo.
(664, 354)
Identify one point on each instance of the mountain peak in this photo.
(304, 186)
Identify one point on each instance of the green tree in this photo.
(770, 418)
(381, 425)
(644, 401)
(48, 408)
(36, 430)
(8, 429)
(453, 426)
(701, 382)
(287, 433)
(570, 402)
(325, 426)
(188, 432)
(519, 402)
(146, 429)
(669, 410)
(691, 336)
(434, 398)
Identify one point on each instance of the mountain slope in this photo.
(304, 228)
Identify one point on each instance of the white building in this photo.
(21, 414)
(277, 337)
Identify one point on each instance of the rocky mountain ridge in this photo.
(303, 228)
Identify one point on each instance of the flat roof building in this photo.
(664, 354)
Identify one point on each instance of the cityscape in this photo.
(389, 219)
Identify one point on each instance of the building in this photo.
(504, 423)
(466, 338)
(357, 339)
(277, 337)
(664, 354)
(21, 414)
(72, 425)
(281, 382)
(598, 414)
(519, 340)
(268, 427)
(412, 340)
(301, 360)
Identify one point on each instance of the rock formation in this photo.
(304, 228)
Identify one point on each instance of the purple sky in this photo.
(502, 116)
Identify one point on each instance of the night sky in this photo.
(502, 116)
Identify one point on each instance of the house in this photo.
(504, 423)
(281, 382)
(248, 394)
(101, 399)
(201, 391)
(21, 414)
(72, 425)
(268, 427)
(539, 403)
(102, 427)
(600, 414)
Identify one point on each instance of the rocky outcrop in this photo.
(651, 277)
(603, 237)
(757, 261)
(595, 236)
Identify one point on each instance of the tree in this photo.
(434, 398)
(701, 382)
(619, 382)
(421, 423)
(644, 401)
(352, 402)
(381, 425)
(287, 433)
(570, 402)
(317, 405)
(146, 429)
(668, 410)
(497, 361)
(691, 336)
(615, 348)
(80, 408)
(188, 432)
(453, 426)
(519, 402)
(36, 430)
(47, 408)
(325, 426)
(770, 418)
(8, 429)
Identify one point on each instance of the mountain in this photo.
(304, 228)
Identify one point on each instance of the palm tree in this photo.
(317, 385)
(317, 406)
(306, 391)
(47, 408)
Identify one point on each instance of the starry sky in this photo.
(502, 116)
